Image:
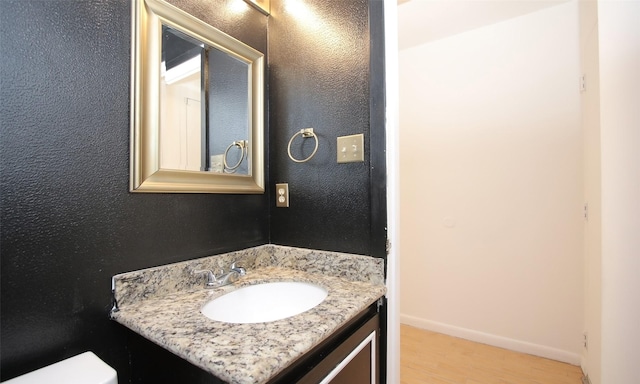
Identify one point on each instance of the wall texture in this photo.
(68, 222)
(491, 174)
(319, 77)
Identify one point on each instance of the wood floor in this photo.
(433, 358)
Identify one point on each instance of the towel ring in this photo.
(305, 132)
(242, 144)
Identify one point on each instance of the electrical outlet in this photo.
(350, 149)
(282, 195)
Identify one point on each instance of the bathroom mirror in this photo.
(197, 106)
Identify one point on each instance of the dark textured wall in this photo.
(320, 76)
(68, 222)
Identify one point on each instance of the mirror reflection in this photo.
(204, 121)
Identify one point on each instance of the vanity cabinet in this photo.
(349, 356)
(172, 341)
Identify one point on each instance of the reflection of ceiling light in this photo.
(180, 71)
(332, 41)
(238, 7)
(300, 11)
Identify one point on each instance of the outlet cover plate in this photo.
(282, 195)
(350, 149)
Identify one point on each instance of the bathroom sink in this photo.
(264, 302)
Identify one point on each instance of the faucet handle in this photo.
(211, 278)
(241, 271)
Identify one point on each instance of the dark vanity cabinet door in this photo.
(358, 369)
(349, 356)
(356, 360)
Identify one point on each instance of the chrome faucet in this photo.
(234, 273)
(223, 279)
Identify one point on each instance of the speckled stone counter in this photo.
(163, 304)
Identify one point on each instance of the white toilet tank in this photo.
(85, 368)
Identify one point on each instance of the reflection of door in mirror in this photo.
(180, 106)
(180, 128)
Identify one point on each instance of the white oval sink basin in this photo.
(264, 302)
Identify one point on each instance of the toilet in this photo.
(85, 368)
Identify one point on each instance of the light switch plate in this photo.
(350, 149)
(282, 195)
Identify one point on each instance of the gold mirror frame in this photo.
(148, 16)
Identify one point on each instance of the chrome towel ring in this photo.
(306, 133)
(242, 144)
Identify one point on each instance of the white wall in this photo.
(619, 45)
(590, 100)
(491, 180)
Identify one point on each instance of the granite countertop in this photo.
(163, 304)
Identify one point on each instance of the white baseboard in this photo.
(495, 340)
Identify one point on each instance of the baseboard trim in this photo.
(495, 340)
